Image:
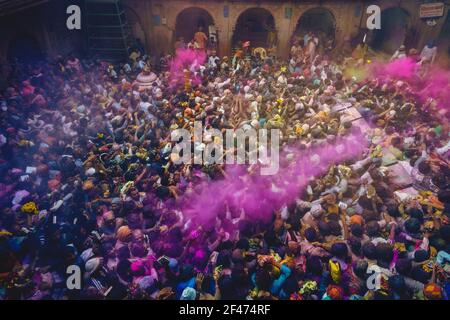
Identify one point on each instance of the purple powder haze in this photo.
(435, 84)
(186, 59)
(261, 195)
(397, 69)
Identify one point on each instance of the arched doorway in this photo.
(25, 48)
(392, 35)
(319, 21)
(138, 30)
(256, 25)
(443, 40)
(189, 21)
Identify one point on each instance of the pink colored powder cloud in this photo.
(261, 195)
(186, 59)
(434, 84)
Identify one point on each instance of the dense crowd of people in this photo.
(87, 180)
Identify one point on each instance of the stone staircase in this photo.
(108, 35)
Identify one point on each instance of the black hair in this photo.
(393, 211)
(419, 274)
(224, 259)
(369, 250)
(339, 250)
(323, 228)
(314, 266)
(412, 225)
(421, 255)
(360, 269)
(124, 270)
(123, 253)
(355, 245)
(373, 229)
(356, 230)
(243, 244)
(424, 168)
(415, 213)
(263, 280)
(384, 252)
(403, 266)
(311, 234)
(335, 228)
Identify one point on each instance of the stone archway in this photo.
(189, 21)
(319, 21)
(135, 21)
(256, 25)
(395, 22)
(444, 36)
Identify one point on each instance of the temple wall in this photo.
(159, 18)
(155, 21)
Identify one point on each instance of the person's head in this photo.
(415, 213)
(123, 253)
(373, 229)
(412, 226)
(355, 246)
(224, 259)
(323, 228)
(360, 269)
(397, 284)
(339, 250)
(314, 266)
(334, 227)
(124, 234)
(290, 285)
(418, 273)
(310, 234)
(424, 168)
(92, 265)
(421, 256)
(369, 250)
(188, 294)
(356, 230)
(393, 211)
(242, 244)
(278, 225)
(263, 280)
(186, 272)
(384, 252)
(138, 250)
(403, 266)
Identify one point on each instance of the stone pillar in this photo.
(224, 38)
(224, 33)
(284, 30)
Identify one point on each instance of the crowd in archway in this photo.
(87, 180)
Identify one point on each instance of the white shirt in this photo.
(428, 54)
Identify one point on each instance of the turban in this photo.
(432, 292)
(123, 233)
(188, 294)
(356, 219)
(335, 292)
(88, 185)
(30, 208)
(316, 210)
